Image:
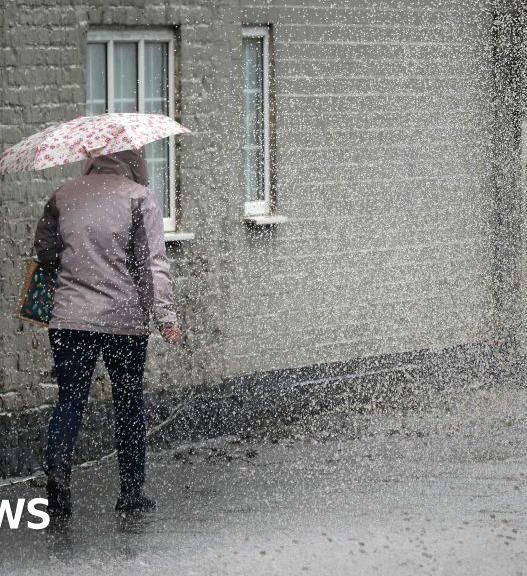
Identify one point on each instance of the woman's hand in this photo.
(171, 334)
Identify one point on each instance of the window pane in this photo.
(157, 161)
(96, 79)
(125, 76)
(156, 102)
(156, 77)
(254, 145)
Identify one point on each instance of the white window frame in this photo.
(109, 37)
(262, 207)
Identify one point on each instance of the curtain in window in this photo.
(96, 79)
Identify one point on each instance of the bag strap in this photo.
(33, 254)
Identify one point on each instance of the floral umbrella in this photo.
(85, 137)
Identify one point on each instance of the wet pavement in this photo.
(440, 490)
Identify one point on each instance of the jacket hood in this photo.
(129, 163)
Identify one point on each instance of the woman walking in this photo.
(103, 233)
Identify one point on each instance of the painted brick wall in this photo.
(383, 133)
(42, 81)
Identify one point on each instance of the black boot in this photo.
(134, 500)
(59, 499)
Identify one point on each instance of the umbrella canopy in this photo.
(86, 137)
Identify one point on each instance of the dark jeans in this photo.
(75, 354)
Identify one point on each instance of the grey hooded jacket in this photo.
(104, 234)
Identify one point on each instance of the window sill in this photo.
(266, 220)
(179, 236)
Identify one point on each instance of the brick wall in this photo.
(43, 51)
(383, 134)
(42, 79)
(510, 260)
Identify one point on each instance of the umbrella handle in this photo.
(89, 153)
